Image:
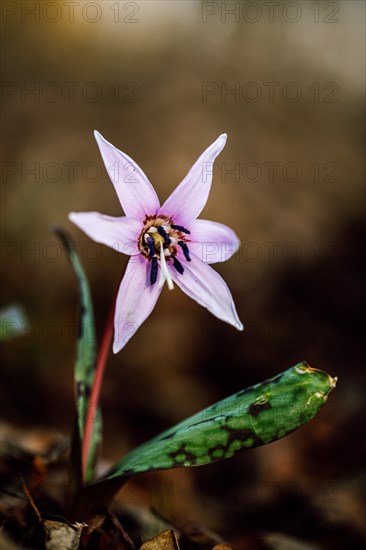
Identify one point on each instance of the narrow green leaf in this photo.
(85, 356)
(255, 416)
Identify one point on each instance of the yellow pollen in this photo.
(157, 239)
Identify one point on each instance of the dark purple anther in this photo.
(178, 266)
(164, 234)
(184, 247)
(154, 270)
(181, 228)
(151, 246)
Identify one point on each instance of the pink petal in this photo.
(189, 198)
(119, 233)
(136, 194)
(212, 242)
(135, 301)
(208, 288)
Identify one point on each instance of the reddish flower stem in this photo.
(96, 388)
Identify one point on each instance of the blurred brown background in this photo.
(161, 80)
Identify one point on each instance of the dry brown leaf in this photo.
(163, 541)
(105, 531)
(62, 536)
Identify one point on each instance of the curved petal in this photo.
(208, 288)
(189, 198)
(135, 301)
(136, 194)
(212, 242)
(119, 233)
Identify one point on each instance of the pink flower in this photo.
(166, 243)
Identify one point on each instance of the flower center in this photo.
(160, 242)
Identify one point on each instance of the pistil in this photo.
(164, 273)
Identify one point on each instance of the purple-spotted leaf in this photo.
(255, 416)
(252, 417)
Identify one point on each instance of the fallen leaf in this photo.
(62, 535)
(163, 541)
(105, 531)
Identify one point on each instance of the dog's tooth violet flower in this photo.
(166, 243)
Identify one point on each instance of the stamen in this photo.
(154, 270)
(164, 273)
(152, 229)
(185, 249)
(178, 266)
(181, 228)
(164, 234)
(151, 246)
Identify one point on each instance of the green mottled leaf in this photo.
(13, 322)
(255, 416)
(85, 357)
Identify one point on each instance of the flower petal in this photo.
(212, 242)
(136, 194)
(135, 301)
(208, 288)
(118, 233)
(189, 198)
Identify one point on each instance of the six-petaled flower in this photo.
(166, 243)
